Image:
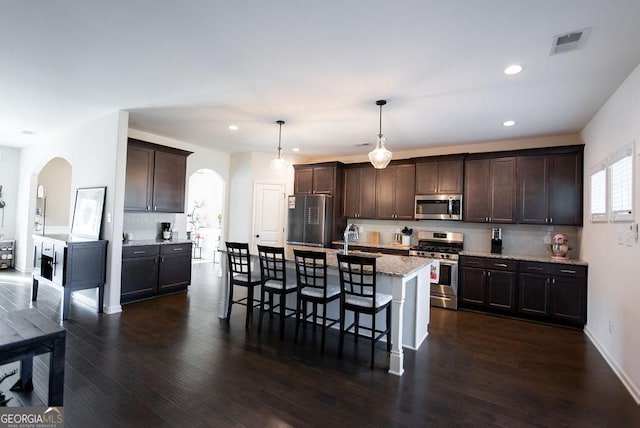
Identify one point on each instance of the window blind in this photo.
(622, 188)
(598, 193)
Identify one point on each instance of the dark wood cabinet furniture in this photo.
(551, 292)
(554, 291)
(357, 248)
(154, 269)
(74, 263)
(550, 188)
(395, 192)
(323, 178)
(490, 190)
(488, 283)
(439, 175)
(359, 191)
(25, 334)
(155, 177)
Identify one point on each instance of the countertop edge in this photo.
(524, 258)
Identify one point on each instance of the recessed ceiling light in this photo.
(513, 69)
(233, 127)
(27, 132)
(295, 149)
(508, 123)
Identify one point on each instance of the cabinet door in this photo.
(352, 186)
(476, 190)
(367, 192)
(449, 176)
(169, 182)
(59, 264)
(534, 294)
(472, 286)
(386, 193)
(139, 179)
(503, 190)
(565, 189)
(533, 189)
(303, 181)
(139, 278)
(501, 290)
(174, 273)
(405, 192)
(324, 180)
(568, 299)
(427, 178)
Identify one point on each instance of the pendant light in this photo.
(279, 164)
(380, 156)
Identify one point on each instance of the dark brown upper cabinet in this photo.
(395, 192)
(359, 192)
(155, 178)
(550, 189)
(490, 190)
(436, 176)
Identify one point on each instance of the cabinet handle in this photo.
(568, 271)
(500, 265)
(148, 208)
(550, 219)
(553, 280)
(139, 252)
(178, 249)
(488, 273)
(534, 268)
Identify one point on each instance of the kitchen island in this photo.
(405, 278)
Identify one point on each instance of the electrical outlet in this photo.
(610, 327)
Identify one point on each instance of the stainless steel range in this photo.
(442, 247)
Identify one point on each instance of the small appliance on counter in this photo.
(397, 237)
(560, 247)
(165, 231)
(496, 240)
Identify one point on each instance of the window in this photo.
(611, 187)
(621, 186)
(598, 193)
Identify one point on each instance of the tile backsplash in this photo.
(147, 225)
(519, 239)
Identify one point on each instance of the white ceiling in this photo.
(188, 69)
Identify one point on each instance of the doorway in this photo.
(53, 198)
(268, 214)
(205, 213)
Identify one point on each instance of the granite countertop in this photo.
(139, 242)
(386, 264)
(370, 245)
(523, 258)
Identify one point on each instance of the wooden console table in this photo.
(72, 262)
(25, 334)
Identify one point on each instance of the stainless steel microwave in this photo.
(438, 207)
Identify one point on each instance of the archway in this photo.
(53, 198)
(205, 206)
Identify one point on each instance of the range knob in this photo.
(432, 255)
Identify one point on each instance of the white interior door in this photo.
(268, 214)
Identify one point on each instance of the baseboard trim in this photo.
(628, 383)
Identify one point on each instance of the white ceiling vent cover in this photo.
(569, 41)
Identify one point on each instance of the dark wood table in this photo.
(25, 334)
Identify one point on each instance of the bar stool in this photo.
(240, 273)
(274, 282)
(358, 294)
(311, 275)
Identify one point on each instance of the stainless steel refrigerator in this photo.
(310, 220)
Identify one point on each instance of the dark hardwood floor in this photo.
(172, 362)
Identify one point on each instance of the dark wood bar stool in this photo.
(358, 294)
(274, 283)
(240, 273)
(311, 276)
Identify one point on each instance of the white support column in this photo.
(396, 360)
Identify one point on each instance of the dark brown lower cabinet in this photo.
(152, 270)
(549, 292)
(555, 292)
(488, 283)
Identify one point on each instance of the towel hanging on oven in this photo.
(435, 271)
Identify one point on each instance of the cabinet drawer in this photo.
(47, 249)
(490, 263)
(554, 269)
(139, 251)
(167, 249)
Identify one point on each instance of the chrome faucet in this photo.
(350, 230)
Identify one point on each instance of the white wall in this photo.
(9, 157)
(614, 269)
(94, 151)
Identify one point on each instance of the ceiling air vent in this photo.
(569, 41)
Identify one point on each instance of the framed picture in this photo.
(87, 212)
